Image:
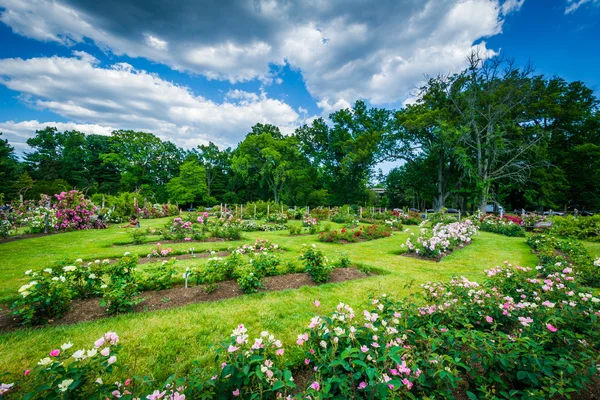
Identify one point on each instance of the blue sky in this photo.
(195, 72)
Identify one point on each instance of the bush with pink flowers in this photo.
(73, 211)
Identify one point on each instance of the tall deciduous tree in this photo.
(345, 153)
(490, 98)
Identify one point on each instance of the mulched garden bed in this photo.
(436, 259)
(89, 309)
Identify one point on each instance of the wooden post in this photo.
(241, 211)
(254, 210)
(268, 210)
(361, 213)
(102, 201)
(459, 215)
(221, 210)
(308, 210)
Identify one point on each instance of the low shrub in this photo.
(214, 271)
(159, 277)
(248, 280)
(159, 251)
(316, 264)
(137, 235)
(265, 264)
(295, 229)
(119, 294)
(45, 297)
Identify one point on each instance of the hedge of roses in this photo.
(441, 239)
(507, 225)
(514, 336)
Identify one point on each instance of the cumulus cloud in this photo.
(345, 50)
(100, 99)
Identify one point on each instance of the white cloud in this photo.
(121, 97)
(511, 6)
(345, 50)
(155, 42)
(17, 133)
(573, 5)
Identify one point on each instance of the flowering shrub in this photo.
(259, 246)
(35, 219)
(8, 221)
(73, 211)
(394, 223)
(516, 336)
(248, 280)
(557, 253)
(120, 292)
(178, 229)
(159, 251)
(441, 239)
(522, 333)
(280, 218)
(316, 264)
(85, 280)
(46, 296)
(508, 226)
(371, 232)
(265, 264)
(67, 374)
(309, 221)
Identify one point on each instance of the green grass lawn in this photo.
(169, 341)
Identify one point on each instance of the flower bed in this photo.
(440, 240)
(50, 292)
(361, 234)
(507, 226)
(462, 339)
(557, 253)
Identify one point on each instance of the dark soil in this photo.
(436, 259)
(89, 309)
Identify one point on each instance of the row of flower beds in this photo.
(509, 337)
(49, 293)
(436, 242)
(371, 232)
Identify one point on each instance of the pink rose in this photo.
(54, 353)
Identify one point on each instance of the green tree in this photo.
(190, 185)
(267, 155)
(345, 153)
(9, 169)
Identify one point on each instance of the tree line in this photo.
(495, 132)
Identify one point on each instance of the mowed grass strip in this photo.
(169, 341)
